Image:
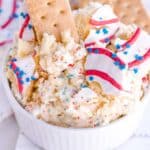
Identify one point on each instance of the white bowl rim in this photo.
(29, 115)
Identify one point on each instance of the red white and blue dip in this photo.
(86, 84)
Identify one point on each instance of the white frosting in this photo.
(8, 32)
(102, 14)
(28, 34)
(140, 47)
(56, 57)
(105, 64)
(27, 65)
(65, 93)
(105, 12)
(93, 37)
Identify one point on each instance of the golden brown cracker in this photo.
(129, 11)
(82, 22)
(82, 26)
(51, 16)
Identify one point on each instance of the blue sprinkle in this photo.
(1, 10)
(121, 67)
(89, 50)
(21, 81)
(15, 15)
(24, 15)
(67, 99)
(137, 57)
(96, 51)
(100, 18)
(97, 31)
(91, 78)
(116, 63)
(70, 76)
(128, 45)
(10, 66)
(135, 70)
(106, 40)
(33, 78)
(125, 52)
(27, 79)
(14, 59)
(29, 26)
(83, 86)
(105, 31)
(114, 55)
(118, 46)
(17, 69)
(21, 73)
(19, 76)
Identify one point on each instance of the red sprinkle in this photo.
(71, 65)
(145, 79)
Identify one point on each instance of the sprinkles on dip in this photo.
(78, 84)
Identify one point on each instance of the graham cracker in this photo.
(129, 11)
(82, 23)
(51, 16)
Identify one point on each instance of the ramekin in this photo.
(52, 137)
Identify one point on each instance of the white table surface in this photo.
(9, 131)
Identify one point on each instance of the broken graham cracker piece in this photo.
(51, 16)
(129, 11)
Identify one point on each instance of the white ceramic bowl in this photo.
(58, 138)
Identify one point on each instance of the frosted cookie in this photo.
(128, 11)
(22, 74)
(86, 84)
